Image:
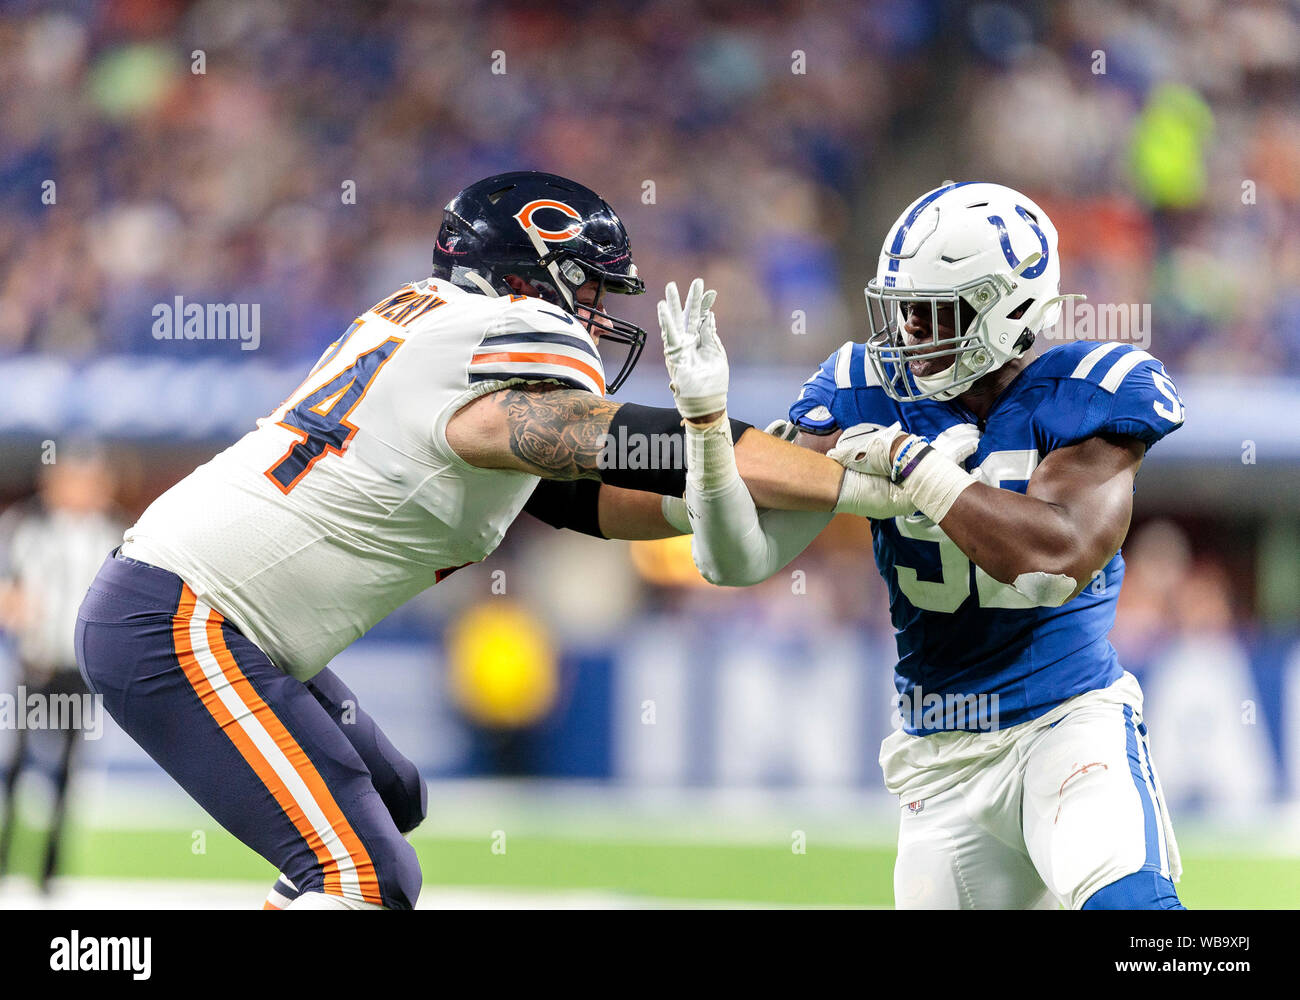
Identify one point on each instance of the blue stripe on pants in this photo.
(1148, 807)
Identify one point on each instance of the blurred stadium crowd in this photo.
(1135, 125)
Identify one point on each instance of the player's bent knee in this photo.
(411, 803)
(390, 860)
(400, 877)
(1143, 890)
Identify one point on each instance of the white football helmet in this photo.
(987, 251)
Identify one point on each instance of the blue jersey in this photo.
(961, 634)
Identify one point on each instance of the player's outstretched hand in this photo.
(697, 364)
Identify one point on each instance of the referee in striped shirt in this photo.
(51, 546)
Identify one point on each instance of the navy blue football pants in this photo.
(297, 771)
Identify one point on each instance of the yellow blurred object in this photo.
(502, 666)
(666, 562)
(1167, 153)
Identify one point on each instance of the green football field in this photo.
(653, 872)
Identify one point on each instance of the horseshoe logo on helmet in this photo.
(1040, 265)
(525, 219)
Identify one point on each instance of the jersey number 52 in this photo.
(949, 592)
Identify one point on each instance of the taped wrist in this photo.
(728, 542)
(865, 495)
(710, 460)
(645, 449)
(573, 505)
(934, 482)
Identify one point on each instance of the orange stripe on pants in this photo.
(297, 757)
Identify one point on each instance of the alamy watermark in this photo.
(181, 320)
(35, 710)
(640, 451)
(1115, 322)
(90, 953)
(923, 711)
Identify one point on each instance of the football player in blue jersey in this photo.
(999, 482)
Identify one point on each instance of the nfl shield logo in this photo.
(916, 807)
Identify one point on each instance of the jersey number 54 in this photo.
(320, 419)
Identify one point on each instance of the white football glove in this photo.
(868, 489)
(865, 448)
(697, 364)
(782, 429)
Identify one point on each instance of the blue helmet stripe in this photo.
(901, 234)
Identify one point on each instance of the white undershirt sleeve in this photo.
(734, 545)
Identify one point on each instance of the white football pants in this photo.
(1034, 816)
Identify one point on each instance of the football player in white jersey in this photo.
(406, 453)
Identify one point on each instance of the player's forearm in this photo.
(783, 476)
(1045, 543)
(633, 514)
(1063, 529)
(733, 544)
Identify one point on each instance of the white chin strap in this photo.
(936, 386)
(478, 281)
(539, 245)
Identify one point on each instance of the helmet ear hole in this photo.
(1021, 309)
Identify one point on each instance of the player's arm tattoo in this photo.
(559, 434)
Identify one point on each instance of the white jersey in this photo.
(347, 500)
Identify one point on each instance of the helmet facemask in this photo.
(891, 356)
(568, 273)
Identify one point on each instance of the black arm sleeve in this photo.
(648, 449)
(574, 505)
(647, 452)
